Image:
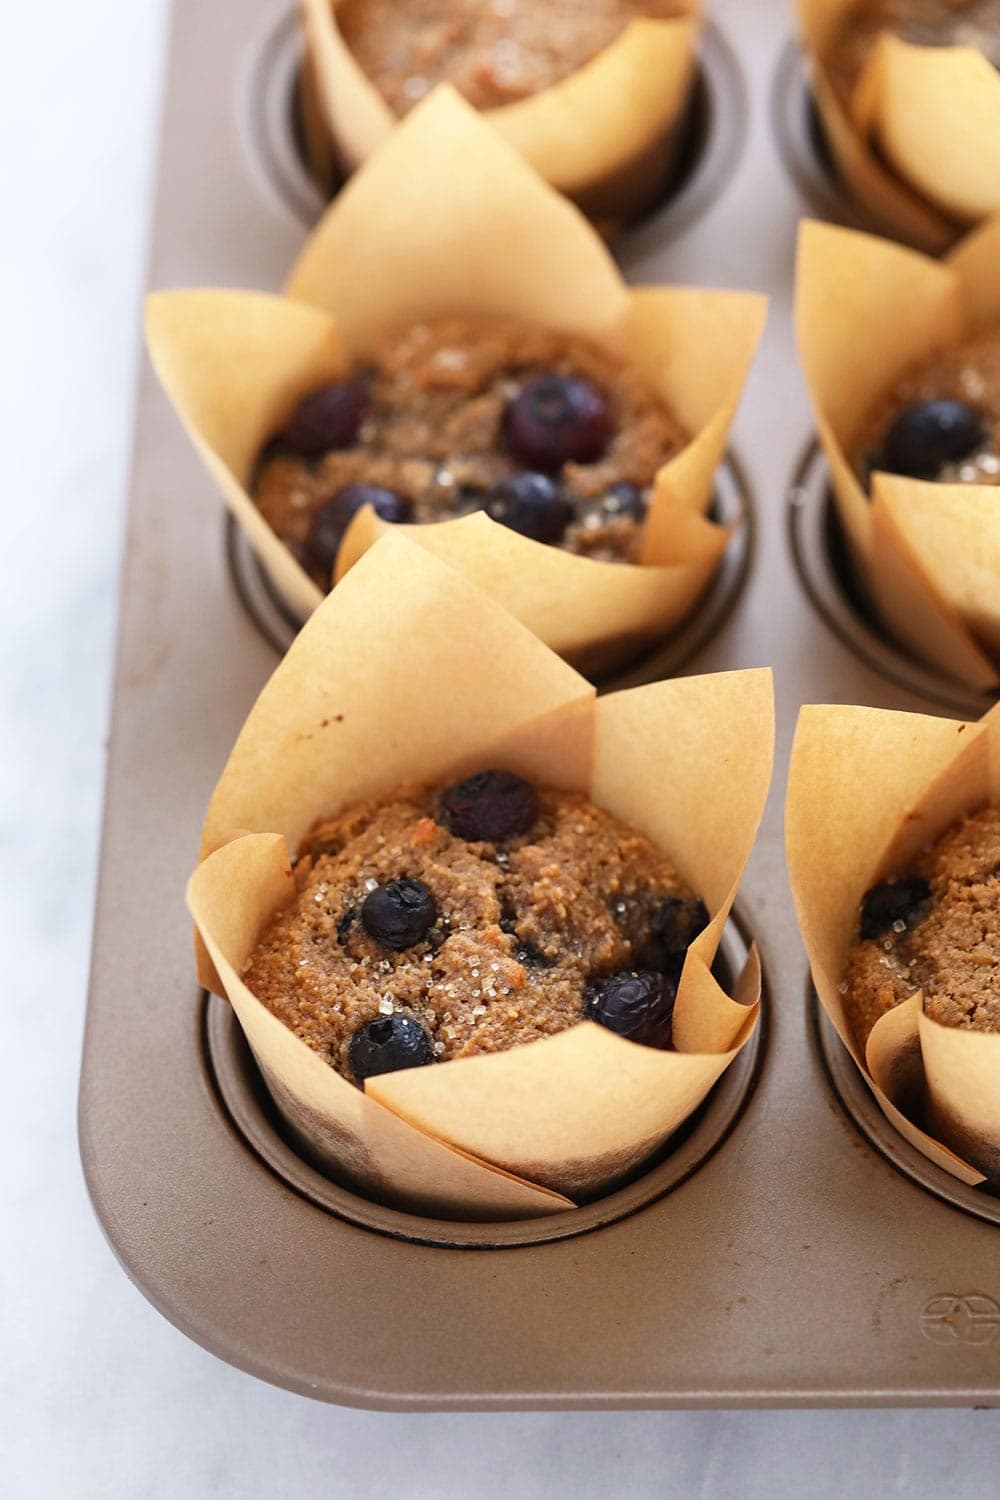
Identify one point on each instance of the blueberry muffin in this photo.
(936, 929)
(928, 23)
(495, 52)
(445, 923)
(548, 434)
(942, 420)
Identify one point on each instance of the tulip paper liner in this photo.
(415, 235)
(407, 672)
(875, 135)
(867, 310)
(936, 117)
(918, 775)
(600, 136)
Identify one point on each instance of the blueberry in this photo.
(674, 923)
(532, 957)
(327, 419)
(490, 806)
(637, 1005)
(557, 419)
(388, 1045)
(531, 505)
(399, 914)
(626, 502)
(894, 901)
(332, 517)
(927, 436)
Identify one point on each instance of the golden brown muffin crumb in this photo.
(949, 947)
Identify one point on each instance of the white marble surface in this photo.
(99, 1396)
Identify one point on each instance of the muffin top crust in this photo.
(443, 923)
(494, 52)
(935, 929)
(551, 435)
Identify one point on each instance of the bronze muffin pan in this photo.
(787, 1248)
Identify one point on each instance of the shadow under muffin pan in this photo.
(828, 577)
(713, 133)
(687, 1288)
(279, 623)
(243, 1093)
(858, 1100)
(804, 150)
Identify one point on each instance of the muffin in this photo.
(406, 293)
(902, 357)
(898, 905)
(936, 929)
(902, 88)
(592, 93)
(436, 924)
(551, 436)
(494, 871)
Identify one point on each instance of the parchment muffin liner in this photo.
(408, 672)
(868, 790)
(935, 114)
(604, 137)
(447, 219)
(866, 311)
(918, 145)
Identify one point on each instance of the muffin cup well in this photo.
(918, 775)
(866, 311)
(407, 672)
(890, 200)
(416, 235)
(603, 136)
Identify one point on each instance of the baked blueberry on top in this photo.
(942, 420)
(549, 435)
(935, 929)
(438, 923)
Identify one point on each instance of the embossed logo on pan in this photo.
(970, 1319)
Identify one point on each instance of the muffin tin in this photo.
(788, 1249)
